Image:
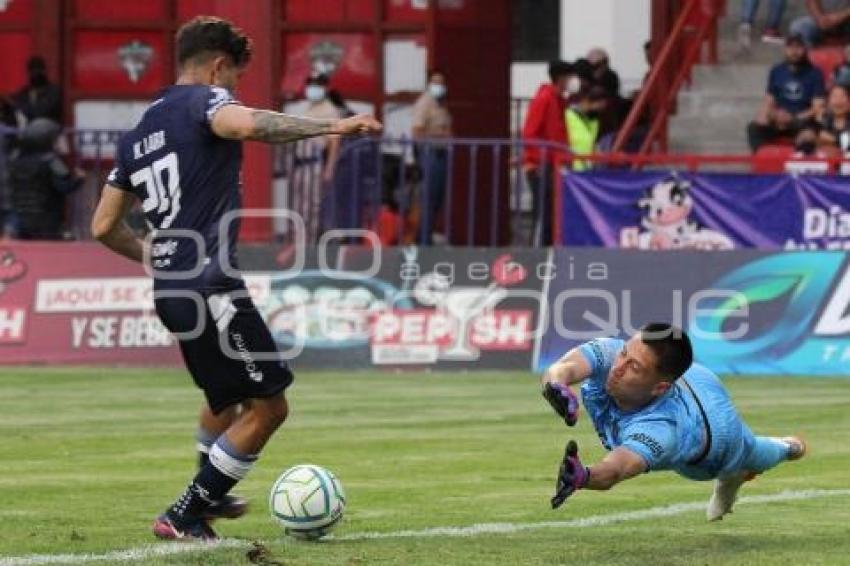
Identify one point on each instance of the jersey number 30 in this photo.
(163, 195)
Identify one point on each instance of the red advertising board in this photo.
(348, 58)
(120, 62)
(16, 48)
(328, 10)
(96, 308)
(16, 11)
(147, 11)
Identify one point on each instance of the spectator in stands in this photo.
(10, 116)
(841, 73)
(603, 74)
(353, 185)
(834, 136)
(545, 122)
(582, 119)
(826, 18)
(771, 34)
(39, 98)
(806, 143)
(8, 125)
(314, 159)
(431, 123)
(794, 89)
(39, 182)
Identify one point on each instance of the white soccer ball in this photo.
(307, 500)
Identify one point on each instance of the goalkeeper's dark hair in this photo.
(671, 346)
(204, 37)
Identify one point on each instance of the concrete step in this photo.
(703, 129)
(714, 106)
(736, 78)
(730, 147)
(713, 112)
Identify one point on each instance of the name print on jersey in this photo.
(149, 144)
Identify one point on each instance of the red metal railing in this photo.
(695, 24)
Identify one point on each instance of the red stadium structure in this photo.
(122, 52)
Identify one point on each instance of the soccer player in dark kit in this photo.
(182, 161)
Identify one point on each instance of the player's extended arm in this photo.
(237, 122)
(619, 465)
(572, 368)
(109, 228)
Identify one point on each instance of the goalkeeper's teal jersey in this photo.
(671, 433)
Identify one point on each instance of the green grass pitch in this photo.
(90, 456)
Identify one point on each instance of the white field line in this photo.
(169, 549)
(594, 520)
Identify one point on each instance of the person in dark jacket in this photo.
(39, 98)
(39, 181)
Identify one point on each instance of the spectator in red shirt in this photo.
(545, 123)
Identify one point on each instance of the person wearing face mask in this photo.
(431, 123)
(582, 121)
(545, 122)
(314, 158)
(834, 136)
(39, 98)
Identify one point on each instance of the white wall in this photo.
(619, 26)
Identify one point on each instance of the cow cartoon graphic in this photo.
(666, 225)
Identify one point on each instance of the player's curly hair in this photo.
(204, 36)
(671, 346)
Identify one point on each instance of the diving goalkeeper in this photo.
(654, 409)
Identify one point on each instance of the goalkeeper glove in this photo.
(572, 475)
(563, 400)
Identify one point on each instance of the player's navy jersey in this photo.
(187, 179)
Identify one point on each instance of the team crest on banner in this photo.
(325, 57)
(135, 58)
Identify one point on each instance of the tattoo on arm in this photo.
(274, 127)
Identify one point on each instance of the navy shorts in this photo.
(230, 353)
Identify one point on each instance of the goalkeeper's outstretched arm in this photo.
(570, 369)
(618, 465)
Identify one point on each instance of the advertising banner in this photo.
(747, 311)
(705, 211)
(346, 308)
(410, 307)
(77, 303)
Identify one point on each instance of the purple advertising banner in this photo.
(705, 211)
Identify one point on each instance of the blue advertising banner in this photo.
(706, 211)
(746, 311)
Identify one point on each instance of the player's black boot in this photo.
(228, 507)
(166, 528)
